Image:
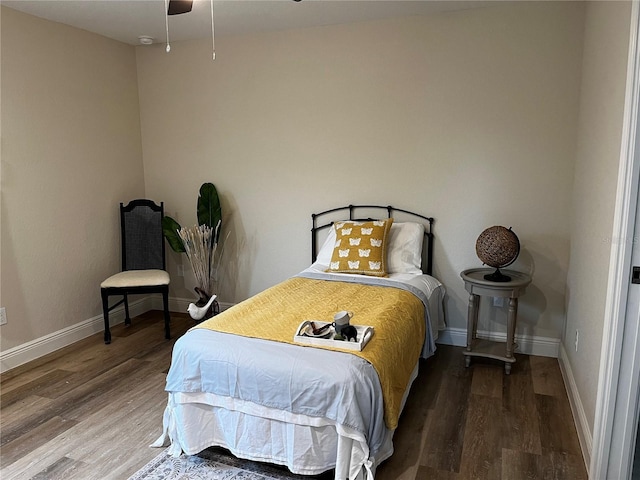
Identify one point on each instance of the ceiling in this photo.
(126, 20)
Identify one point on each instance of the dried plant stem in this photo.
(201, 247)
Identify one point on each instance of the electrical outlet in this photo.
(180, 270)
(577, 339)
(3, 316)
(498, 301)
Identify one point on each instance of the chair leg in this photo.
(105, 314)
(165, 304)
(127, 318)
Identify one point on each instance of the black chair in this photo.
(143, 261)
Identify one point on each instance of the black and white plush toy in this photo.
(350, 333)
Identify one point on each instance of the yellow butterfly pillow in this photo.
(361, 247)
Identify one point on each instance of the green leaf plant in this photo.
(200, 244)
(208, 211)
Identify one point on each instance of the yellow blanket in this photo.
(396, 315)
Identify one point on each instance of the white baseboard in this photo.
(39, 347)
(181, 304)
(579, 416)
(27, 352)
(541, 346)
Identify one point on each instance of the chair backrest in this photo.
(142, 238)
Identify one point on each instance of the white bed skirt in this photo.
(306, 445)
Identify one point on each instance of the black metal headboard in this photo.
(325, 219)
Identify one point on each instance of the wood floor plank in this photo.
(407, 449)
(77, 380)
(63, 468)
(487, 381)
(38, 384)
(144, 425)
(482, 451)
(120, 424)
(35, 437)
(145, 332)
(101, 357)
(552, 466)
(429, 473)
(121, 407)
(80, 402)
(567, 466)
(155, 353)
(520, 420)
(38, 367)
(443, 448)
(546, 376)
(557, 429)
(432, 370)
(21, 411)
(10, 380)
(517, 464)
(99, 392)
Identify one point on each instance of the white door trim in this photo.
(610, 433)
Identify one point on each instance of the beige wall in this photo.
(71, 151)
(472, 117)
(469, 117)
(594, 191)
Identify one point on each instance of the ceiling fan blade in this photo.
(176, 7)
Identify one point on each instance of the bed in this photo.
(240, 381)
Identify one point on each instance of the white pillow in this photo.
(326, 251)
(404, 254)
(404, 250)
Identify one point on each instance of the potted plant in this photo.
(200, 243)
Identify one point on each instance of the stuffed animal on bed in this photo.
(350, 333)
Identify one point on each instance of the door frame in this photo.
(616, 415)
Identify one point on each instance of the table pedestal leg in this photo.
(472, 320)
(472, 325)
(511, 330)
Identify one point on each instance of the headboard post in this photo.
(314, 240)
(430, 250)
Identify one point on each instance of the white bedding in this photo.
(306, 444)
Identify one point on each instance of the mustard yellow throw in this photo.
(396, 315)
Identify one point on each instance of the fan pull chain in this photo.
(166, 23)
(213, 37)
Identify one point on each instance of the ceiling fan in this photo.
(177, 7)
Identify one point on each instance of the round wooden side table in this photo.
(477, 286)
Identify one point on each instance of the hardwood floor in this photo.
(478, 423)
(90, 411)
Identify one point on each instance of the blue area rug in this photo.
(214, 464)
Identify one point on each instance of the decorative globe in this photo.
(498, 247)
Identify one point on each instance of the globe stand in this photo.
(497, 276)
